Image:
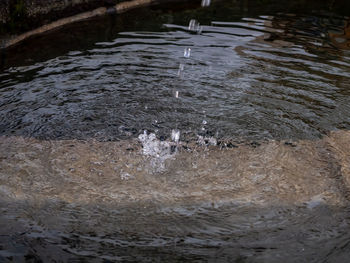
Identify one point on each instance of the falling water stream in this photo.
(212, 132)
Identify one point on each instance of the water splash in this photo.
(126, 176)
(194, 26)
(187, 52)
(207, 141)
(159, 151)
(175, 136)
(205, 3)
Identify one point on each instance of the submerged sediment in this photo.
(146, 200)
(121, 172)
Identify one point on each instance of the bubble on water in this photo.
(205, 3)
(126, 176)
(204, 122)
(212, 141)
(187, 52)
(175, 135)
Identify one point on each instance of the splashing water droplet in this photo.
(194, 26)
(159, 151)
(177, 94)
(180, 71)
(207, 141)
(175, 135)
(187, 52)
(205, 3)
(126, 176)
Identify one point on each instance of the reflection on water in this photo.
(261, 77)
(146, 140)
(341, 39)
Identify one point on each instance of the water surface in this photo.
(249, 75)
(189, 134)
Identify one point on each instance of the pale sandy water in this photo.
(94, 201)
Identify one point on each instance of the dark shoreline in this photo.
(19, 16)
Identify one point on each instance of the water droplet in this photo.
(205, 3)
(194, 26)
(177, 94)
(187, 52)
(204, 122)
(212, 141)
(126, 176)
(180, 71)
(175, 135)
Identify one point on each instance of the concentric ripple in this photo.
(281, 76)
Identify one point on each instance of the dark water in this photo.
(251, 74)
(249, 71)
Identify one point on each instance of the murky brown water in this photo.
(90, 200)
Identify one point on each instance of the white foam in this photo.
(207, 140)
(126, 176)
(175, 135)
(159, 151)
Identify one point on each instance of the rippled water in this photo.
(188, 134)
(96, 201)
(281, 76)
